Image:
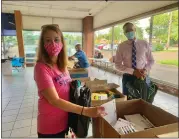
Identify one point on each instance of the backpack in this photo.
(80, 96)
(139, 89)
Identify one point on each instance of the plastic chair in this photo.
(18, 62)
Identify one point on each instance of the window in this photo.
(102, 43)
(118, 37)
(9, 46)
(71, 39)
(31, 39)
(161, 31)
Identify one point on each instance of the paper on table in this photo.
(110, 109)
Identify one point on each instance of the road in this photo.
(165, 73)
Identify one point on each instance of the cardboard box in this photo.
(163, 121)
(102, 85)
(169, 135)
(78, 73)
(70, 64)
(83, 79)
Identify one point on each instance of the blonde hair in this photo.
(42, 55)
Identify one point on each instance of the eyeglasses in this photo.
(48, 25)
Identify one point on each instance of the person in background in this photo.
(53, 82)
(98, 54)
(81, 56)
(133, 57)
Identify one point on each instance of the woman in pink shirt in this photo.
(53, 82)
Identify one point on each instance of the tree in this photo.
(174, 28)
(72, 39)
(30, 37)
(139, 31)
(161, 27)
(118, 34)
(169, 31)
(10, 39)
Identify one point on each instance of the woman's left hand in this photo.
(94, 111)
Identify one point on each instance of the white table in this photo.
(7, 68)
(101, 61)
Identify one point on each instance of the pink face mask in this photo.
(53, 49)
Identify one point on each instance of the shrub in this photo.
(158, 47)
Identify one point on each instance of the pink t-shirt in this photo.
(51, 120)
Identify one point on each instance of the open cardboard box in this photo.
(169, 135)
(78, 73)
(163, 121)
(83, 79)
(70, 64)
(102, 85)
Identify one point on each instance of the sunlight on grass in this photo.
(169, 62)
(165, 51)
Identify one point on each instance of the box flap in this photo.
(150, 110)
(153, 132)
(96, 84)
(77, 70)
(169, 135)
(83, 79)
(101, 85)
(113, 85)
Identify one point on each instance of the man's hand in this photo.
(144, 72)
(138, 73)
(70, 58)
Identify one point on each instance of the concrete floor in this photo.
(19, 102)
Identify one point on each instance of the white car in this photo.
(107, 47)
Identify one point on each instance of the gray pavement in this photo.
(165, 73)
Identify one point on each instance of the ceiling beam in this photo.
(139, 16)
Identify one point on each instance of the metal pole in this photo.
(151, 30)
(112, 39)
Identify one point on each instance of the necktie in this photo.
(134, 64)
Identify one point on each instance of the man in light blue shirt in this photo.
(81, 56)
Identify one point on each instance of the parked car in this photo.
(107, 47)
(101, 46)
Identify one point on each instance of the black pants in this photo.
(127, 78)
(58, 135)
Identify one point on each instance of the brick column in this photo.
(19, 28)
(88, 36)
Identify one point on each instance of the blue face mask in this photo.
(130, 35)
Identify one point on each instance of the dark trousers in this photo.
(58, 135)
(125, 79)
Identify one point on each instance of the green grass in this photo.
(165, 51)
(169, 62)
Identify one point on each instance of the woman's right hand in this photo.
(94, 111)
